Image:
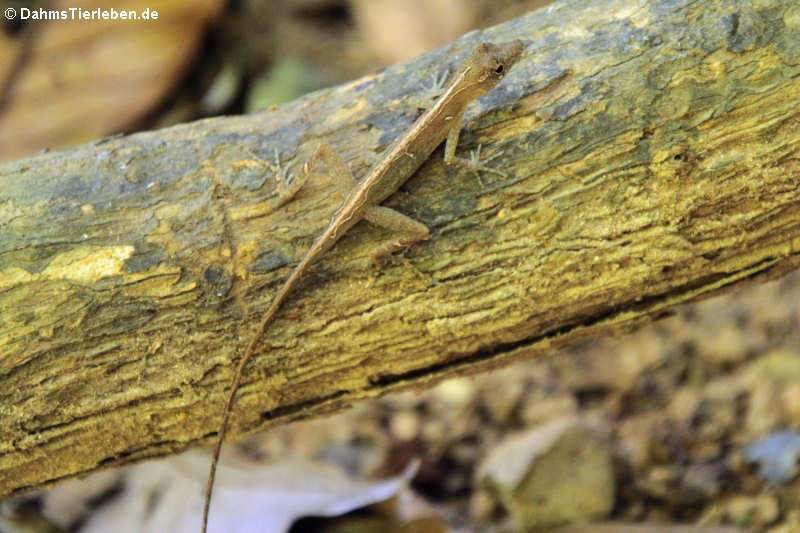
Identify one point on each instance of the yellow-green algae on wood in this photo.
(84, 264)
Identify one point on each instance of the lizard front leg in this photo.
(472, 163)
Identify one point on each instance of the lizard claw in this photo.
(432, 91)
(437, 85)
(477, 166)
(287, 185)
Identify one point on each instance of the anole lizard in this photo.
(480, 73)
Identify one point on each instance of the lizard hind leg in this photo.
(338, 170)
(411, 231)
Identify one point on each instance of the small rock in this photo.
(659, 482)
(405, 424)
(754, 511)
(724, 345)
(782, 366)
(747, 511)
(500, 403)
(455, 392)
(701, 482)
(764, 409)
(547, 408)
(482, 505)
(684, 403)
(791, 404)
(634, 439)
(790, 524)
(553, 474)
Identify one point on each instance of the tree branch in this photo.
(653, 156)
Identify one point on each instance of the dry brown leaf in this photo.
(398, 31)
(249, 497)
(84, 79)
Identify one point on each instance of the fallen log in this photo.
(652, 153)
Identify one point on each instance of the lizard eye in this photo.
(499, 69)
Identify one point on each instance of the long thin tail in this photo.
(248, 354)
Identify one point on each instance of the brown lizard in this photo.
(480, 73)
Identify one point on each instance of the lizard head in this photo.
(488, 64)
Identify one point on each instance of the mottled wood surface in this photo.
(653, 153)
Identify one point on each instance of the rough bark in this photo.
(652, 151)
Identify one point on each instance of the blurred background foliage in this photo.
(67, 82)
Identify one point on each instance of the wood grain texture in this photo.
(653, 151)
